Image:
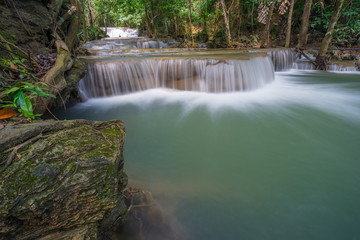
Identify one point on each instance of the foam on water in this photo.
(334, 98)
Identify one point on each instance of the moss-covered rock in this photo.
(60, 180)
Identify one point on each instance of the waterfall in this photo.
(121, 32)
(303, 65)
(125, 43)
(283, 59)
(205, 75)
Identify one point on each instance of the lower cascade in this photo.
(205, 75)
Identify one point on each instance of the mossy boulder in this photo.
(61, 179)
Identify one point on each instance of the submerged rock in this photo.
(61, 179)
(146, 219)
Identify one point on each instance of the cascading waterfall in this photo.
(205, 75)
(302, 65)
(121, 32)
(204, 71)
(283, 59)
(125, 43)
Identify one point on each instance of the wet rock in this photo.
(350, 57)
(146, 220)
(202, 45)
(61, 179)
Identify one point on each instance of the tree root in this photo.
(300, 52)
(17, 148)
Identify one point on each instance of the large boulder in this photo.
(61, 179)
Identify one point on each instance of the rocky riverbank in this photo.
(61, 179)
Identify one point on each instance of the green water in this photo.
(281, 162)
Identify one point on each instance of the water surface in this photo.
(279, 162)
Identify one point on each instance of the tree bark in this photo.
(102, 3)
(152, 19)
(166, 26)
(320, 59)
(226, 19)
(304, 24)
(191, 26)
(74, 27)
(239, 16)
(147, 20)
(176, 27)
(266, 36)
(91, 14)
(288, 29)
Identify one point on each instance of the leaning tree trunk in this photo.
(320, 58)
(266, 36)
(288, 29)
(304, 24)
(226, 19)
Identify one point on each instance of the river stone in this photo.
(64, 181)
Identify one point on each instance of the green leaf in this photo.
(11, 90)
(25, 104)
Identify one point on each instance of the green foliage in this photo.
(172, 18)
(347, 30)
(21, 94)
(20, 90)
(93, 32)
(18, 64)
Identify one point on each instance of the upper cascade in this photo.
(204, 75)
(128, 43)
(121, 32)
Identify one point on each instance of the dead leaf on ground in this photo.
(7, 112)
(13, 66)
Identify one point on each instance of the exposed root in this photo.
(300, 52)
(16, 148)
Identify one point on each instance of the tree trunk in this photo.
(176, 27)
(266, 36)
(147, 20)
(86, 37)
(191, 26)
(226, 19)
(320, 59)
(304, 24)
(102, 3)
(239, 16)
(166, 26)
(152, 19)
(91, 14)
(74, 27)
(288, 29)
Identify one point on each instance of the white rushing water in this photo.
(125, 43)
(204, 75)
(121, 32)
(334, 98)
